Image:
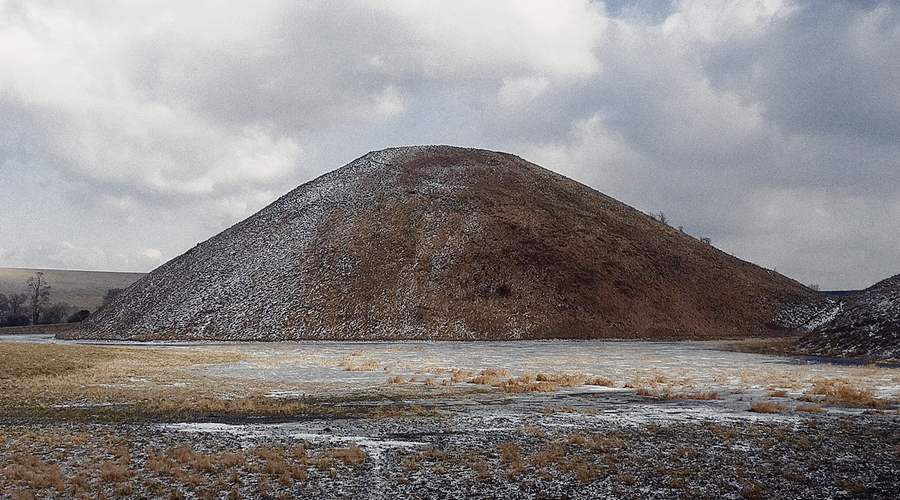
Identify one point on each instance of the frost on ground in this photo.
(549, 419)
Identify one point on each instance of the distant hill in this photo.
(438, 242)
(864, 324)
(80, 289)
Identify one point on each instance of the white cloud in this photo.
(153, 254)
(467, 37)
(517, 92)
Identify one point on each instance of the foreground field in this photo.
(440, 420)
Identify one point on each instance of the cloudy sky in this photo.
(132, 130)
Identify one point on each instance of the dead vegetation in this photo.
(670, 461)
(767, 407)
(38, 379)
(847, 393)
(38, 465)
(62, 458)
(534, 382)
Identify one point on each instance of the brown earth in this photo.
(449, 243)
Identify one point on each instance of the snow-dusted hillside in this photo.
(438, 242)
(865, 324)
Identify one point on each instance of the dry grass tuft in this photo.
(459, 375)
(114, 472)
(351, 455)
(601, 381)
(766, 407)
(526, 384)
(371, 365)
(490, 376)
(844, 392)
(811, 408)
(665, 393)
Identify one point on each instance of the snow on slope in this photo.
(438, 242)
(865, 324)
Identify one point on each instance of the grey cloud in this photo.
(741, 127)
(310, 69)
(828, 69)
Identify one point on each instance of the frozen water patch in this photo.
(318, 431)
(439, 375)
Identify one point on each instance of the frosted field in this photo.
(696, 379)
(543, 419)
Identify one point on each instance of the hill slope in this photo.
(438, 242)
(864, 324)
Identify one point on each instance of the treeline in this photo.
(33, 306)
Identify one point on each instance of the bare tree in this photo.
(57, 313)
(16, 303)
(38, 295)
(660, 216)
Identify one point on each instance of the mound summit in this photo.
(439, 242)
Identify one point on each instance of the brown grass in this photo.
(351, 455)
(811, 408)
(47, 376)
(114, 472)
(845, 392)
(530, 382)
(34, 462)
(666, 393)
(371, 365)
(766, 407)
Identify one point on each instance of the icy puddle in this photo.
(624, 380)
